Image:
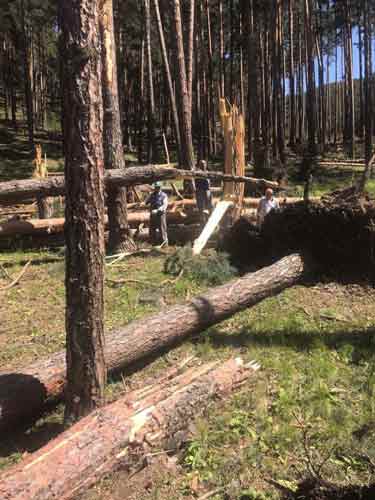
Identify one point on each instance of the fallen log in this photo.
(248, 202)
(17, 191)
(25, 393)
(179, 234)
(122, 433)
(45, 227)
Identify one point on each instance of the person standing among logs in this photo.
(158, 202)
(203, 194)
(266, 204)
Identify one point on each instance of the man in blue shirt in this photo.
(158, 202)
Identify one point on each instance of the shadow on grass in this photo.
(362, 341)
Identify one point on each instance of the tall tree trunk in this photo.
(255, 148)
(310, 103)
(210, 84)
(182, 90)
(169, 77)
(84, 212)
(349, 129)
(368, 71)
(360, 57)
(28, 74)
(292, 100)
(152, 153)
(119, 237)
(190, 54)
(141, 99)
(13, 88)
(221, 46)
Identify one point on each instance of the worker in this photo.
(158, 202)
(203, 193)
(266, 204)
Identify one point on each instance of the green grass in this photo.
(312, 397)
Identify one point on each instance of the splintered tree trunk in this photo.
(44, 382)
(119, 238)
(84, 212)
(182, 89)
(123, 432)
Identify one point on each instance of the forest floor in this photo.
(312, 402)
(309, 410)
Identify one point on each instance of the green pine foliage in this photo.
(211, 268)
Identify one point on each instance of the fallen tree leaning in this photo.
(121, 433)
(26, 393)
(17, 191)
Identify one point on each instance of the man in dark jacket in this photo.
(203, 193)
(158, 202)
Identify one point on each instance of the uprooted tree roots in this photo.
(312, 489)
(338, 233)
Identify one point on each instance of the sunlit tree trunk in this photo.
(84, 213)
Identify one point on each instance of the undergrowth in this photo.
(210, 268)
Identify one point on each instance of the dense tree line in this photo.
(288, 64)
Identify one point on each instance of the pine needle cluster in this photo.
(211, 268)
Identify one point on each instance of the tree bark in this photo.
(368, 94)
(123, 432)
(152, 152)
(172, 96)
(292, 100)
(28, 74)
(17, 191)
(182, 90)
(84, 208)
(46, 227)
(310, 96)
(119, 237)
(44, 381)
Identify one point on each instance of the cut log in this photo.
(25, 393)
(17, 191)
(121, 433)
(46, 227)
(247, 202)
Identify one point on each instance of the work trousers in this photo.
(158, 228)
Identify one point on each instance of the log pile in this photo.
(49, 232)
(121, 433)
(26, 393)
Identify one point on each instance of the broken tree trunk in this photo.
(16, 191)
(25, 393)
(121, 433)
